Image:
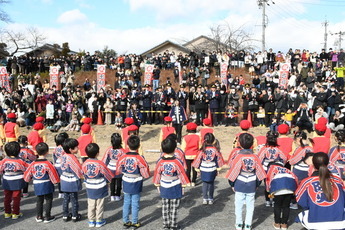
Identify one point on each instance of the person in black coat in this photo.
(267, 99)
(147, 97)
(182, 96)
(222, 104)
(200, 101)
(213, 98)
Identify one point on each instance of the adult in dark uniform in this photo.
(182, 96)
(179, 116)
(160, 102)
(147, 97)
(200, 102)
(213, 98)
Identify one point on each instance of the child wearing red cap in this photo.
(11, 128)
(124, 132)
(42, 132)
(207, 122)
(34, 136)
(284, 142)
(133, 130)
(191, 145)
(245, 126)
(321, 143)
(85, 139)
(165, 131)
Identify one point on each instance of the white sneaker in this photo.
(247, 227)
(204, 201)
(239, 226)
(60, 195)
(112, 198)
(293, 206)
(268, 203)
(118, 198)
(210, 201)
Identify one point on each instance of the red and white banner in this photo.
(54, 76)
(284, 75)
(100, 77)
(148, 74)
(4, 79)
(223, 73)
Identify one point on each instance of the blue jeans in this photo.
(155, 84)
(330, 111)
(241, 199)
(131, 204)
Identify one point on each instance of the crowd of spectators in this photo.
(314, 89)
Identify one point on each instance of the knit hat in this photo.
(206, 121)
(192, 126)
(129, 121)
(85, 128)
(283, 129)
(245, 124)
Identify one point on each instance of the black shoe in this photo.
(49, 219)
(166, 227)
(67, 218)
(127, 225)
(76, 218)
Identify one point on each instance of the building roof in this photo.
(48, 46)
(167, 42)
(205, 37)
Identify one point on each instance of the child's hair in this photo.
(168, 145)
(320, 133)
(191, 131)
(12, 149)
(116, 141)
(209, 139)
(246, 140)
(23, 140)
(340, 136)
(320, 162)
(60, 138)
(172, 136)
(69, 143)
(303, 136)
(92, 150)
(271, 138)
(133, 142)
(42, 149)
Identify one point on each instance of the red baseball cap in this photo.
(245, 124)
(38, 126)
(11, 115)
(85, 128)
(283, 129)
(129, 121)
(192, 126)
(167, 119)
(206, 121)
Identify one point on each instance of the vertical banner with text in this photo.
(4, 79)
(100, 77)
(54, 76)
(284, 75)
(148, 74)
(223, 73)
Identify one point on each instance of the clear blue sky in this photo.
(124, 23)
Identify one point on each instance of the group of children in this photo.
(294, 170)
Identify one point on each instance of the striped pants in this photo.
(169, 212)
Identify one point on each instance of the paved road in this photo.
(192, 214)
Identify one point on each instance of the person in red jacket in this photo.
(34, 136)
(124, 132)
(207, 122)
(11, 128)
(165, 131)
(321, 143)
(284, 142)
(191, 145)
(85, 139)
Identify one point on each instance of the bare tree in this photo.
(22, 41)
(228, 37)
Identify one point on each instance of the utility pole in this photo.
(325, 24)
(340, 33)
(262, 5)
